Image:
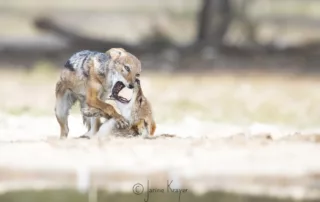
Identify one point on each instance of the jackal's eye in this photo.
(137, 75)
(127, 68)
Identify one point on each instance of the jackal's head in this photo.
(123, 67)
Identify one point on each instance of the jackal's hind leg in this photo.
(64, 101)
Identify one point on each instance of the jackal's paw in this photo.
(91, 112)
(121, 123)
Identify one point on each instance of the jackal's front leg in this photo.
(94, 101)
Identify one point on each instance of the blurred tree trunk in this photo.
(213, 22)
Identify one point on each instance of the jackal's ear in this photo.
(116, 53)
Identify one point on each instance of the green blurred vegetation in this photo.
(74, 196)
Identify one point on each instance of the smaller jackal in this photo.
(136, 111)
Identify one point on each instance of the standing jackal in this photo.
(89, 77)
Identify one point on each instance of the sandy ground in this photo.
(231, 154)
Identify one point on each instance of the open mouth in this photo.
(115, 93)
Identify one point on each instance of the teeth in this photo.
(122, 99)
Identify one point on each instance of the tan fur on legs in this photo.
(64, 101)
(141, 128)
(145, 127)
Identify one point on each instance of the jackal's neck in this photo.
(125, 109)
(137, 93)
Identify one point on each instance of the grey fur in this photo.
(79, 61)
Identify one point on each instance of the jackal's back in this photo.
(79, 61)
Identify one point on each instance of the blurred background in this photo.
(167, 35)
(212, 69)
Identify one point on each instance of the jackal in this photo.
(89, 77)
